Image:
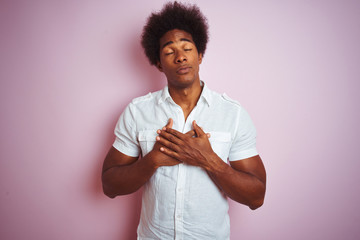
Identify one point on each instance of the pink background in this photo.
(68, 69)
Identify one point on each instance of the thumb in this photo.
(191, 133)
(170, 123)
(199, 132)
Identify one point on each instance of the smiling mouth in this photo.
(183, 70)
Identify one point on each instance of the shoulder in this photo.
(224, 101)
(141, 99)
(138, 105)
(229, 100)
(146, 99)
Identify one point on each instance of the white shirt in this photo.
(181, 201)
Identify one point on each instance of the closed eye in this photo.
(188, 49)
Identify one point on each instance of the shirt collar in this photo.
(205, 94)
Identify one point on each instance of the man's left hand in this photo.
(192, 148)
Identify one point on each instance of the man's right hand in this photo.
(124, 174)
(158, 157)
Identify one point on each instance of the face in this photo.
(179, 59)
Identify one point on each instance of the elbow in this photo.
(259, 201)
(108, 192)
(106, 187)
(256, 204)
(112, 190)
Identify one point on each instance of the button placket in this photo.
(184, 126)
(179, 202)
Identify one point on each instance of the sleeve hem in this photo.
(243, 154)
(125, 150)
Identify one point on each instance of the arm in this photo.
(244, 181)
(122, 174)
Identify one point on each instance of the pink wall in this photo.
(67, 70)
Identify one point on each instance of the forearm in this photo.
(240, 186)
(126, 179)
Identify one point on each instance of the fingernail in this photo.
(162, 149)
(164, 128)
(157, 138)
(158, 131)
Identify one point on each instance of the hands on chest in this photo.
(192, 148)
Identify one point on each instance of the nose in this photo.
(180, 57)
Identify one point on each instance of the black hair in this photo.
(174, 16)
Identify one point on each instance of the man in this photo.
(183, 166)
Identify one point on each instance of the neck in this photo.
(187, 97)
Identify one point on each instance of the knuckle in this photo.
(172, 145)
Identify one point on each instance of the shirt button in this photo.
(178, 216)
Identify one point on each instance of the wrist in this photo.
(150, 160)
(216, 164)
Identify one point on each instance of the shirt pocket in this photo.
(147, 139)
(220, 143)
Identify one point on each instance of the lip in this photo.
(183, 69)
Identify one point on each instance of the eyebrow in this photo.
(171, 42)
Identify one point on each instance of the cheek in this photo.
(168, 68)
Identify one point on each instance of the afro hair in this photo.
(174, 16)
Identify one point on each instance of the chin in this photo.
(183, 82)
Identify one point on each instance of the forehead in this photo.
(175, 36)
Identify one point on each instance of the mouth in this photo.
(183, 70)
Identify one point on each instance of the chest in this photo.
(217, 123)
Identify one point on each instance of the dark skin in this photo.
(243, 181)
(180, 61)
(122, 174)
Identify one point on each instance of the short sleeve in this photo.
(244, 142)
(125, 133)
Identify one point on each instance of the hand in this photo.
(159, 157)
(192, 148)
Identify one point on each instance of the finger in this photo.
(191, 133)
(169, 145)
(169, 124)
(170, 153)
(198, 130)
(168, 137)
(175, 133)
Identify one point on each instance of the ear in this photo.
(200, 58)
(158, 66)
